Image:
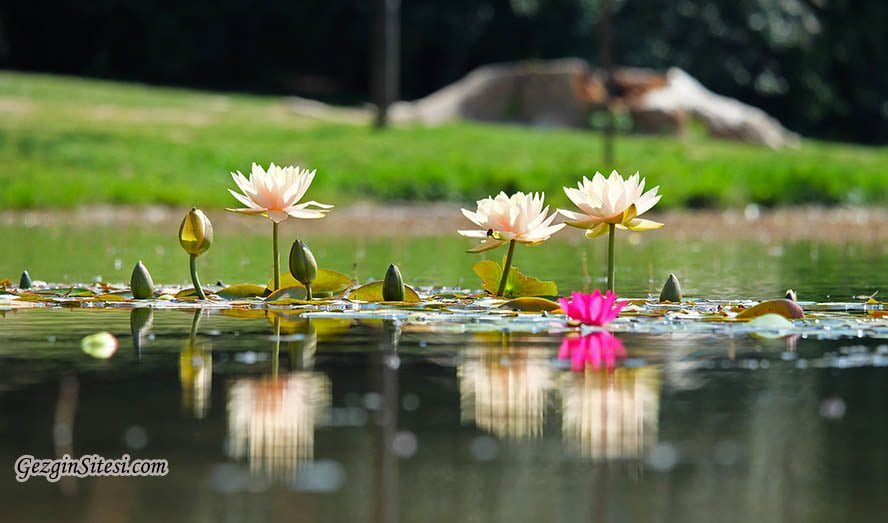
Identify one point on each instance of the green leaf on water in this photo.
(531, 305)
(326, 281)
(518, 285)
(242, 290)
(373, 292)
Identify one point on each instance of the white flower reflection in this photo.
(611, 415)
(505, 394)
(271, 421)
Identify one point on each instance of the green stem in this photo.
(308, 291)
(195, 320)
(506, 268)
(610, 256)
(197, 288)
(275, 361)
(277, 257)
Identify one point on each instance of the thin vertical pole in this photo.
(386, 53)
(607, 63)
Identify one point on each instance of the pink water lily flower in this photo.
(595, 350)
(592, 309)
(275, 193)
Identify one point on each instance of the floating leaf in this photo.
(189, 294)
(242, 290)
(786, 308)
(531, 305)
(373, 292)
(326, 281)
(288, 295)
(517, 285)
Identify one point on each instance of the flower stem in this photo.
(275, 360)
(277, 257)
(610, 256)
(195, 321)
(506, 268)
(308, 291)
(197, 288)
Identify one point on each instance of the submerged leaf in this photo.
(517, 285)
(373, 292)
(325, 281)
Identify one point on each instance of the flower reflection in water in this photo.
(594, 351)
(196, 377)
(271, 420)
(506, 393)
(608, 413)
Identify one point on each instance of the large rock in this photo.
(723, 117)
(562, 93)
(540, 93)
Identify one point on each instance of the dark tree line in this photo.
(817, 65)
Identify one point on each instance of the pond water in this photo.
(711, 268)
(275, 417)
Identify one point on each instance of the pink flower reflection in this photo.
(592, 309)
(595, 350)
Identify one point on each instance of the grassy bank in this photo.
(67, 142)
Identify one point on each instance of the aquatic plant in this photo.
(196, 237)
(275, 194)
(592, 309)
(520, 218)
(607, 204)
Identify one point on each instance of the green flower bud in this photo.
(303, 266)
(671, 290)
(196, 232)
(25, 281)
(393, 284)
(141, 283)
(790, 295)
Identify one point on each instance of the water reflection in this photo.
(611, 415)
(594, 350)
(195, 370)
(505, 391)
(271, 419)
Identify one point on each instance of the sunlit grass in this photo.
(66, 142)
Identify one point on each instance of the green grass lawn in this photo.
(67, 142)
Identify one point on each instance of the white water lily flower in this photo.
(520, 217)
(275, 193)
(612, 200)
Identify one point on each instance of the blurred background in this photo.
(723, 103)
(818, 66)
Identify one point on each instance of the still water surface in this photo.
(372, 421)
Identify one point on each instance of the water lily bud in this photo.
(790, 295)
(671, 290)
(25, 281)
(303, 266)
(393, 284)
(196, 232)
(141, 283)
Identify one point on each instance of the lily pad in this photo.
(242, 290)
(326, 281)
(517, 285)
(373, 292)
(786, 308)
(531, 305)
(189, 294)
